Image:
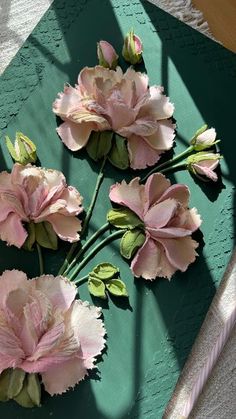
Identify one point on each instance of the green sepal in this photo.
(123, 218)
(23, 398)
(99, 144)
(96, 287)
(16, 381)
(197, 133)
(118, 155)
(34, 388)
(4, 385)
(45, 235)
(23, 151)
(29, 242)
(131, 241)
(11, 148)
(104, 271)
(117, 288)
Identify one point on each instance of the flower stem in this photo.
(98, 233)
(81, 280)
(95, 250)
(167, 163)
(179, 166)
(40, 256)
(87, 218)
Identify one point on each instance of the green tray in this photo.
(149, 339)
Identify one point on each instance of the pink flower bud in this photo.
(107, 56)
(204, 164)
(132, 48)
(204, 138)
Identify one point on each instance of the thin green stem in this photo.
(168, 163)
(180, 166)
(98, 233)
(40, 256)
(81, 280)
(95, 250)
(87, 218)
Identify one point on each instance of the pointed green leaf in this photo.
(23, 398)
(11, 148)
(29, 242)
(99, 144)
(117, 287)
(123, 218)
(4, 384)
(16, 382)
(118, 155)
(131, 241)
(34, 388)
(96, 287)
(104, 271)
(45, 235)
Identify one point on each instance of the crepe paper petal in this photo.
(129, 195)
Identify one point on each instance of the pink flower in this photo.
(32, 194)
(132, 48)
(44, 330)
(204, 138)
(168, 225)
(107, 56)
(110, 100)
(204, 163)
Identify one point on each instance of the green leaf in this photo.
(29, 242)
(123, 218)
(104, 271)
(117, 287)
(34, 388)
(131, 241)
(16, 382)
(99, 144)
(96, 287)
(11, 148)
(118, 155)
(45, 235)
(23, 398)
(4, 384)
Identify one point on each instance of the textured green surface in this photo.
(148, 340)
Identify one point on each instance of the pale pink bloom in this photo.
(204, 139)
(110, 100)
(204, 163)
(168, 225)
(33, 194)
(107, 55)
(44, 330)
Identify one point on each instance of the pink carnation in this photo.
(167, 221)
(32, 194)
(44, 330)
(110, 100)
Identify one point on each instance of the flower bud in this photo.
(23, 151)
(204, 164)
(107, 56)
(204, 138)
(132, 48)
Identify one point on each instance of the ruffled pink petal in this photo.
(12, 231)
(120, 115)
(75, 136)
(10, 281)
(146, 262)
(160, 214)
(207, 137)
(67, 102)
(163, 137)
(206, 168)
(11, 352)
(9, 202)
(88, 329)
(178, 192)
(180, 252)
(168, 232)
(65, 227)
(155, 187)
(140, 127)
(129, 195)
(140, 80)
(58, 290)
(158, 105)
(59, 380)
(141, 155)
(193, 220)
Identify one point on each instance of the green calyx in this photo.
(110, 144)
(105, 278)
(23, 151)
(201, 156)
(24, 388)
(129, 50)
(124, 218)
(131, 241)
(41, 233)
